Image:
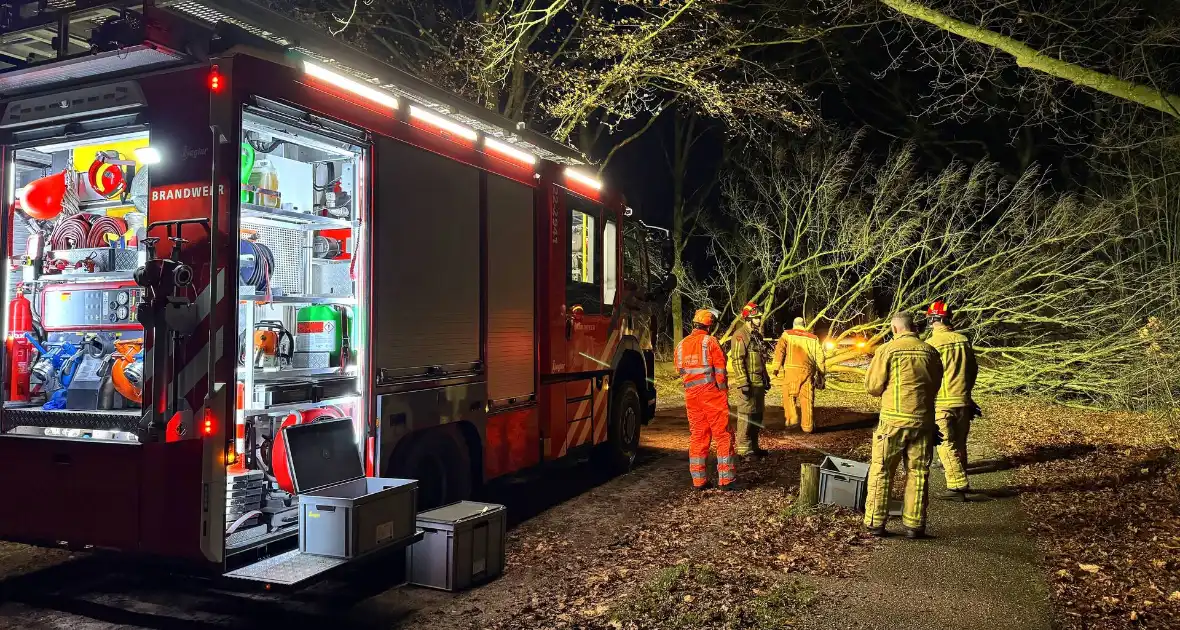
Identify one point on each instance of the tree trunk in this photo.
(808, 487)
(677, 314)
(683, 141)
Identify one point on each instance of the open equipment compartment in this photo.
(343, 515)
(300, 242)
(76, 214)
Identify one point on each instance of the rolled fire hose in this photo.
(96, 236)
(70, 232)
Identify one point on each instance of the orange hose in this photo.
(125, 351)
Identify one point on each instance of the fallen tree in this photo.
(1051, 288)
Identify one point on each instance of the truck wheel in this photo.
(622, 444)
(439, 460)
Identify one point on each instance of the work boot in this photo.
(733, 486)
(956, 494)
(701, 488)
(754, 455)
(760, 452)
(877, 532)
(916, 533)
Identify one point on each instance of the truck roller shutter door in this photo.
(426, 266)
(511, 356)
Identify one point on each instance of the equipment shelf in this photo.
(292, 219)
(239, 542)
(246, 295)
(86, 278)
(18, 415)
(294, 566)
(300, 406)
(294, 373)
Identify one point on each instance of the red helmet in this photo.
(938, 309)
(750, 310)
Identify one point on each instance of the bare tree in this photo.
(588, 71)
(1045, 284)
(1085, 70)
(1025, 56)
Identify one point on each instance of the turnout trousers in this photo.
(954, 425)
(749, 411)
(799, 399)
(708, 421)
(892, 445)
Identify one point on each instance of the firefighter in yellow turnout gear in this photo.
(906, 373)
(953, 407)
(747, 372)
(799, 358)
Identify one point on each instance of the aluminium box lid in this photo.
(322, 454)
(843, 466)
(457, 513)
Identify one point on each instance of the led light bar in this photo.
(448, 126)
(582, 178)
(327, 76)
(509, 151)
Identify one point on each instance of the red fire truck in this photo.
(220, 223)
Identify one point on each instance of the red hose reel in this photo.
(280, 467)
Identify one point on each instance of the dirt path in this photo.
(981, 570)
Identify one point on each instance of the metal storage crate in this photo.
(342, 513)
(843, 482)
(462, 545)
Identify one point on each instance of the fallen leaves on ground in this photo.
(702, 561)
(1102, 492)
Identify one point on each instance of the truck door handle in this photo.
(569, 328)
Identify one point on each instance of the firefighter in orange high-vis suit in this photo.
(701, 364)
(799, 358)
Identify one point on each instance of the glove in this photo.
(976, 412)
(745, 390)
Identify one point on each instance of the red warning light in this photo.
(208, 427)
(215, 80)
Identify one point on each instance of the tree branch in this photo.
(1033, 59)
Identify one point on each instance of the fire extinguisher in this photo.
(19, 348)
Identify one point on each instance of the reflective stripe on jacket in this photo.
(906, 373)
(747, 364)
(958, 367)
(700, 361)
